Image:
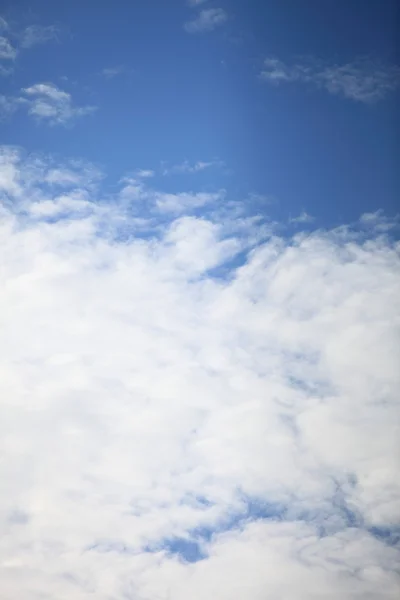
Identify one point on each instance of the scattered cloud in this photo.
(111, 72)
(8, 105)
(187, 167)
(8, 54)
(35, 35)
(144, 173)
(304, 217)
(7, 51)
(31, 36)
(361, 81)
(207, 20)
(3, 24)
(196, 2)
(155, 201)
(171, 433)
(48, 103)
(181, 202)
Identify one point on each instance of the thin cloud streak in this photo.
(360, 81)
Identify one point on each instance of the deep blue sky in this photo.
(200, 97)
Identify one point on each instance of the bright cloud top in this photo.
(358, 81)
(172, 433)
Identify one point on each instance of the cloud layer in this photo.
(184, 416)
(359, 81)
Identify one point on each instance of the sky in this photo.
(200, 273)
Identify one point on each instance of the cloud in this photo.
(38, 34)
(187, 167)
(171, 433)
(48, 103)
(196, 2)
(360, 81)
(8, 105)
(31, 36)
(207, 20)
(304, 217)
(8, 53)
(155, 201)
(111, 72)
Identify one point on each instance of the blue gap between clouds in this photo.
(192, 549)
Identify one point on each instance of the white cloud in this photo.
(142, 398)
(207, 20)
(7, 51)
(111, 72)
(303, 217)
(3, 24)
(196, 2)
(184, 201)
(144, 173)
(360, 81)
(187, 167)
(35, 35)
(135, 191)
(8, 54)
(48, 103)
(8, 105)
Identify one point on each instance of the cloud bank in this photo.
(168, 431)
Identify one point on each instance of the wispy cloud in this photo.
(184, 201)
(37, 34)
(196, 2)
(111, 72)
(48, 103)
(7, 51)
(361, 81)
(207, 20)
(190, 435)
(187, 167)
(9, 104)
(30, 36)
(304, 217)
(8, 54)
(155, 201)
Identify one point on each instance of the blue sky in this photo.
(199, 283)
(198, 96)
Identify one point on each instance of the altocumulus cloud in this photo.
(168, 433)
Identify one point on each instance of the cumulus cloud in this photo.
(35, 35)
(46, 102)
(206, 20)
(360, 81)
(169, 432)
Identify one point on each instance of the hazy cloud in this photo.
(187, 167)
(361, 81)
(38, 34)
(207, 20)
